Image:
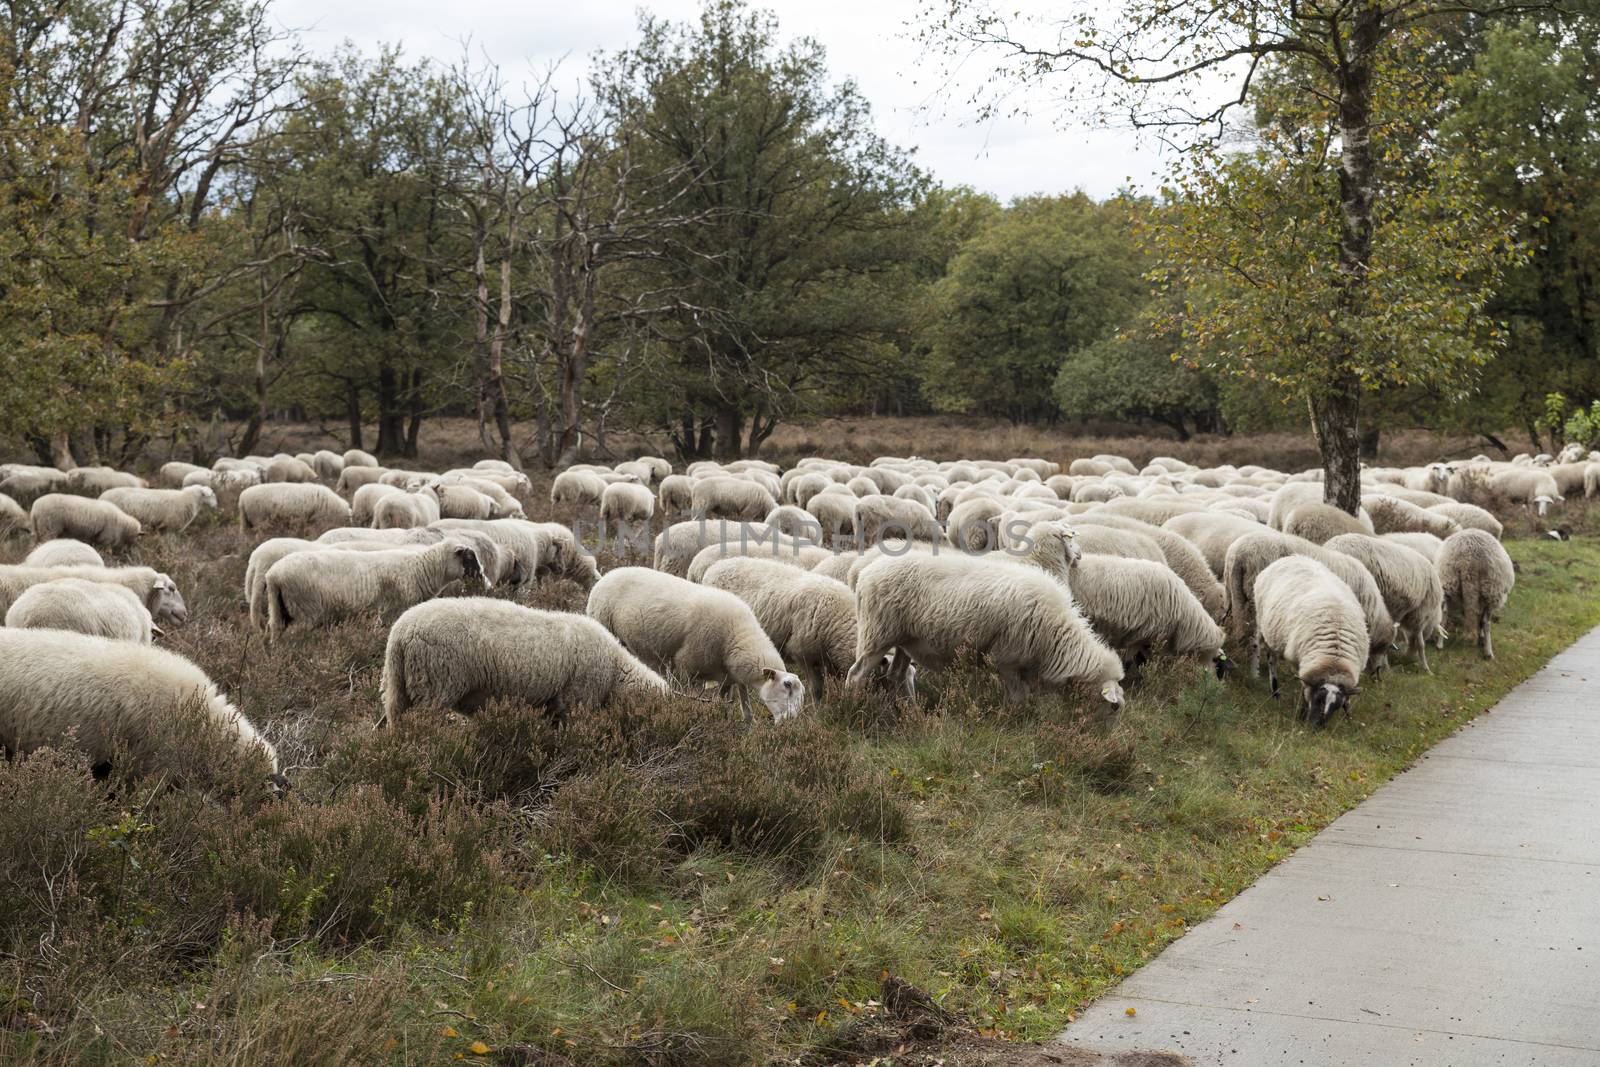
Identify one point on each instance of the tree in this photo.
(1050, 275)
(803, 207)
(1134, 376)
(1183, 67)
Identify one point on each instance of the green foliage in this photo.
(1136, 376)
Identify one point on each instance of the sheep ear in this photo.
(768, 673)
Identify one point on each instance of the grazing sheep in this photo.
(462, 652)
(676, 493)
(64, 552)
(402, 511)
(659, 467)
(288, 469)
(422, 535)
(155, 590)
(785, 551)
(1088, 468)
(1319, 523)
(12, 517)
(1179, 554)
(1392, 515)
(98, 522)
(626, 502)
(463, 502)
(1477, 576)
(1152, 510)
(730, 498)
(1088, 491)
(353, 478)
(328, 465)
(1311, 618)
(678, 544)
(1471, 517)
(321, 587)
(577, 487)
(810, 619)
(700, 633)
(291, 504)
(227, 485)
(506, 506)
(273, 549)
(806, 485)
(564, 556)
(836, 513)
(163, 509)
(795, 522)
(1531, 486)
(410, 481)
(86, 607)
(920, 495)
(879, 516)
(1138, 607)
(172, 474)
(107, 697)
(93, 481)
(1425, 543)
(1212, 533)
(1250, 555)
(511, 552)
(364, 504)
(974, 524)
(1407, 582)
(1105, 541)
(926, 609)
(26, 486)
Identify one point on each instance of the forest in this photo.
(208, 230)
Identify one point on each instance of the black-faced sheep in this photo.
(1308, 616)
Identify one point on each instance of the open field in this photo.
(650, 884)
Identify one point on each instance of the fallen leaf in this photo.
(1130, 1012)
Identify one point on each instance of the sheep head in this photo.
(782, 693)
(1325, 700)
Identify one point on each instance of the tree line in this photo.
(204, 229)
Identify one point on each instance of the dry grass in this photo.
(648, 884)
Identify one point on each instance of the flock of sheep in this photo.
(771, 585)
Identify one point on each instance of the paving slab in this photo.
(1450, 920)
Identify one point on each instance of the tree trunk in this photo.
(61, 451)
(352, 412)
(730, 428)
(1369, 443)
(391, 421)
(480, 343)
(414, 404)
(1337, 412)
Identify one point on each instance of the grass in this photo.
(649, 885)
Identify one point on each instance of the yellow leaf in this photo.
(448, 1031)
(1130, 1012)
(478, 1048)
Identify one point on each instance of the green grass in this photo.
(1023, 862)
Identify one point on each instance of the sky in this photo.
(867, 40)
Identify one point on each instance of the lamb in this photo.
(405, 510)
(676, 492)
(1471, 517)
(96, 480)
(1181, 556)
(810, 619)
(12, 517)
(1407, 582)
(288, 469)
(1393, 515)
(109, 697)
(700, 633)
(879, 515)
(155, 590)
(1138, 607)
(290, 503)
(64, 552)
(1311, 618)
(163, 509)
(87, 607)
(1477, 575)
(462, 652)
(1250, 555)
(1319, 523)
(730, 498)
(172, 474)
(1021, 619)
(785, 551)
(318, 588)
(98, 522)
(626, 502)
(577, 487)
(364, 504)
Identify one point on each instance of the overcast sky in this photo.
(867, 40)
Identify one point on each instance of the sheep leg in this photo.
(1420, 643)
(1485, 642)
(1015, 689)
(814, 681)
(1272, 668)
(861, 669)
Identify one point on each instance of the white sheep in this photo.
(1407, 582)
(1311, 618)
(973, 524)
(737, 499)
(703, 634)
(291, 504)
(109, 697)
(462, 652)
(96, 480)
(405, 510)
(926, 609)
(791, 553)
(457, 501)
(1179, 553)
(172, 474)
(1139, 607)
(835, 513)
(86, 607)
(811, 619)
(1425, 543)
(880, 516)
(422, 535)
(353, 478)
(1471, 517)
(564, 555)
(677, 545)
(28, 484)
(98, 522)
(158, 592)
(163, 509)
(288, 469)
(328, 464)
(1390, 514)
(12, 517)
(1320, 523)
(626, 502)
(577, 487)
(321, 587)
(1477, 576)
(64, 552)
(676, 492)
(364, 503)
(506, 506)
(795, 522)
(1531, 486)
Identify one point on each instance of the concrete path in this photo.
(1450, 920)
